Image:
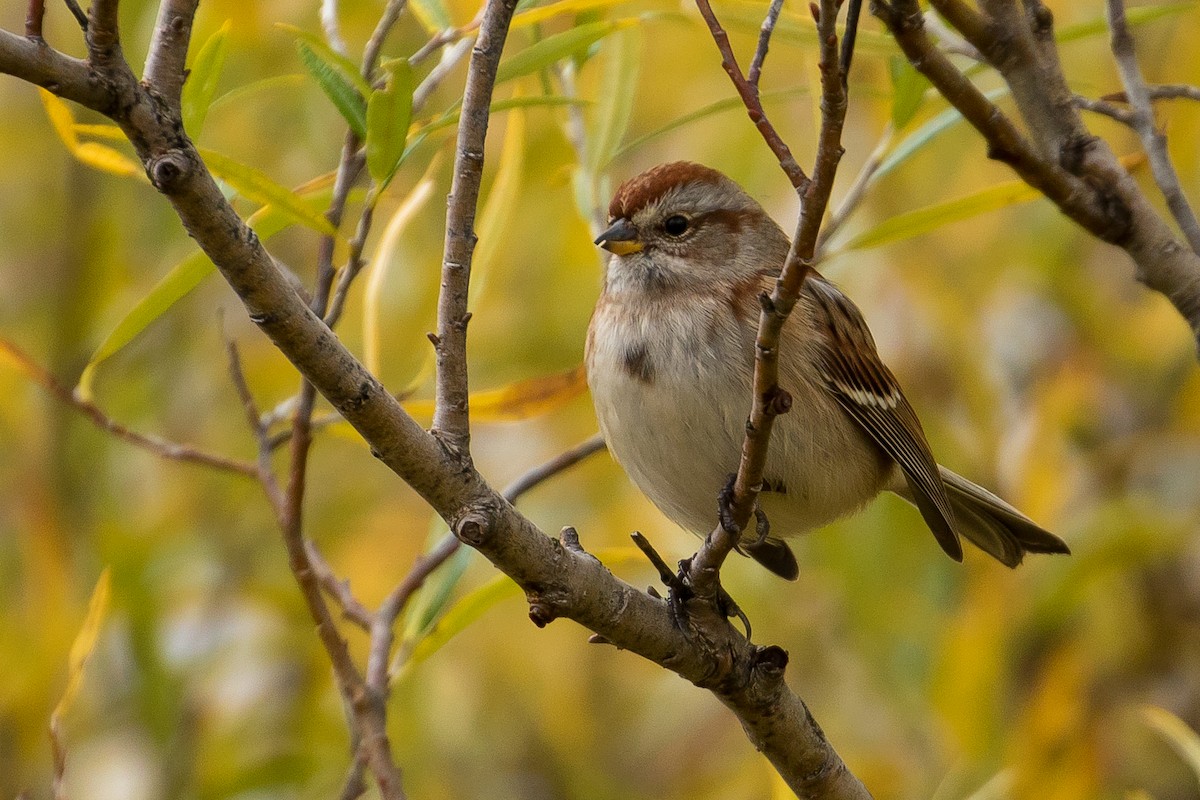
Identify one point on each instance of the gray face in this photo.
(694, 234)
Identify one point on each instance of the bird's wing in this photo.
(867, 390)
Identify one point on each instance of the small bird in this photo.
(670, 360)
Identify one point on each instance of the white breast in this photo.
(672, 389)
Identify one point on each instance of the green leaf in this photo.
(557, 47)
(348, 69)
(174, 286)
(425, 608)
(389, 112)
(908, 87)
(1177, 733)
(471, 607)
(924, 135)
(239, 95)
(924, 220)
(258, 186)
(203, 76)
(1135, 16)
(618, 83)
(341, 92)
(432, 14)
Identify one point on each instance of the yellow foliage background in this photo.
(1040, 368)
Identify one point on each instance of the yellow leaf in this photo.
(520, 400)
(106, 159)
(110, 132)
(535, 15)
(61, 118)
(85, 642)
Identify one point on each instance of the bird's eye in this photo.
(676, 225)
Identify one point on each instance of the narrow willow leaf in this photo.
(473, 605)
(61, 118)
(925, 134)
(908, 87)
(533, 16)
(110, 132)
(258, 186)
(924, 220)
(174, 286)
(106, 159)
(378, 269)
(720, 106)
(1177, 733)
(618, 84)
(239, 95)
(389, 112)
(341, 92)
(424, 609)
(520, 400)
(554, 48)
(345, 67)
(85, 642)
(203, 77)
(501, 206)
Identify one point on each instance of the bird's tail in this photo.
(994, 526)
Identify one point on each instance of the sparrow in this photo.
(670, 362)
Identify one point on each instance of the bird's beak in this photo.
(620, 238)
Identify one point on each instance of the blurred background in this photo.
(1038, 365)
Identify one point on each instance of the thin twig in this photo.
(847, 54)
(34, 15)
(764, 42)
(77, 13)
(451, 417)
(1107, 109)
(165, 65)
(856, 193)
(1165, 91)
(449, 60)
(338, 588)
(566, 460)
(750, 98)
(374, 47)
(103, 34)
(162, 448)
(1153, 139)
(354, 263)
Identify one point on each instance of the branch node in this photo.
(472, 528)
(541, 610)
(777, 400)
(168, 171)
(770, 661)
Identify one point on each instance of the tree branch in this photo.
(764, 42)
(1153, 139)
(172, 451)
(34, 14)
(451, 419)
(750, 97)
(165, 65)
(42, 65)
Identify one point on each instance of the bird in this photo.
(670, 358)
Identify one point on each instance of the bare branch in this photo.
(103, 34)
(450, 58)
(162, 448)
(1153, 139)
(77, 12)
(41, 65)
(338, 588)
(1165, 91)
(451, 418)
(566, 460)
(750, 98)
(764, 42)
(165, 65)
(1105, 108)
(856, 193)
(847, 56)
(34, 15)
(374, 47)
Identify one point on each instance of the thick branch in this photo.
(164, 72)
(38, 63)
(451, 420)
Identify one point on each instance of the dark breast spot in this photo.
(637, 363)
